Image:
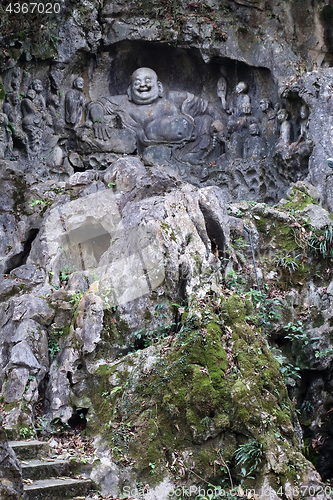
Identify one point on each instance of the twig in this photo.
(225, 465)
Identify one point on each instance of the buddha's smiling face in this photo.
(145, 87)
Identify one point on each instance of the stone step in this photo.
(42, 469)
(57, 489)
(26, 450)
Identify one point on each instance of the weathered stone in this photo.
(150, 244)
(22, 355)
(125, 173)
(31, 307)
(8, 287)
(317, 216)
(89, 322)
(28, 276)
(16, 383)
(11, 486)
(35, 335)
(81, 178)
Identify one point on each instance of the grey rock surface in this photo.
(11, 486)
(125, 127)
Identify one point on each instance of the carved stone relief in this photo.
(236, 136)
(75, 103)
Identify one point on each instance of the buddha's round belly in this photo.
(169, 129)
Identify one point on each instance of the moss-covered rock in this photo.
(199, 393)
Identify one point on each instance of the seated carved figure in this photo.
(174, 125)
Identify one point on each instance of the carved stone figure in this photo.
(246, 108)
(304, 114)
(265, 106)
(243, 99)
(11, 107)
(4, 135)
(169, 125)
(255, 147)
(15, 80)
(285, 128)
(32, 124)
(283, 147)
(222, 88)
(39, 100)
(303, 147)
(55, 103)
(74, 103)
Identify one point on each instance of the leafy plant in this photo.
(307, 408)
(287, 369)
(323, 243)
(34, 203)
(26, 432)
(250, 455)
(152, 467)
(10, 128)
(267, 310)
(206, 422)
(235, 281)
(326, 352)
(287, 262)
(75, 298)
(65, 272)
(295, 332)
(240, 244)
(231, 279)
(54, 348)
(145, 338)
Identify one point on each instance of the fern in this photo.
(250, 455)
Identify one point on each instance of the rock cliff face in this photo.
(130, 135)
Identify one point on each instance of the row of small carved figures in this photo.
(32, 113)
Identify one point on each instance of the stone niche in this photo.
(219, 122)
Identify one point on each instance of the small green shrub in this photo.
(296, 333)
(54, 348)
(65, 272)
(26, 432)
(249, 455)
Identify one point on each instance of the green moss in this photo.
(2, 91)
(261, 224)
(164, 225)
(282, 418)
(299, 200)
(235, 308)
(243, 414)
(9, 406)
(222, 421)
(211, 379)
(205, 461)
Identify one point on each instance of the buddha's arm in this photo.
(96, 115)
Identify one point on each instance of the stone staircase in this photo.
(46, 477)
